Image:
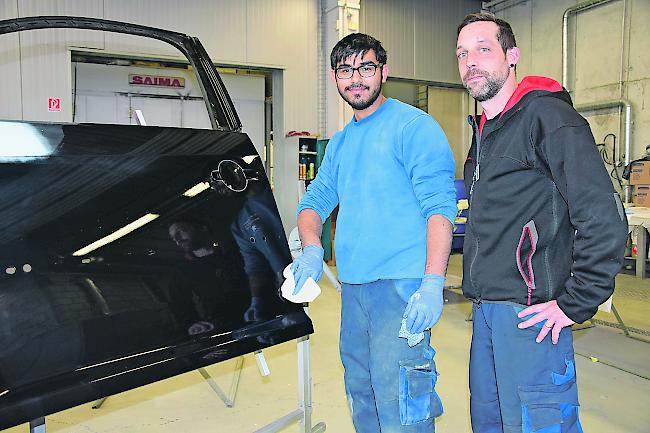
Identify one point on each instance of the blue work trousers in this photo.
(389, 385)
(516, 384)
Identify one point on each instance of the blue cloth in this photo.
(518, 385)
(389, 385)
(389, 172)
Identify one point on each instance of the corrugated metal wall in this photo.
(419, 35)
(10, 87)
(36, 65)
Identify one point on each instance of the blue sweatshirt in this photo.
(389, 172)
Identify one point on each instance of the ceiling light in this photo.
(197, 189)
(117, 234)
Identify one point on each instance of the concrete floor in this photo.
(613, 376)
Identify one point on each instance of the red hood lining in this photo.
(527, 85)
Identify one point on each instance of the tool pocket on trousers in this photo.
(545, 407)
(418, 400)
(518, 310)
(405, 287)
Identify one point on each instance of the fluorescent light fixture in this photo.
(197, 189)
(249, 158)
(117, 234)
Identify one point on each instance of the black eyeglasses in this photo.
(366, 70)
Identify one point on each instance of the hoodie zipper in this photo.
(477, 169)
(475, 177)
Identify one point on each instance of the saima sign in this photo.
(156, 81)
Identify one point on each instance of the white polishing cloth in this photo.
(309, 292)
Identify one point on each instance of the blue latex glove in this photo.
(308, 264)
(425, 306)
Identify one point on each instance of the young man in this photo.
(545, 237)
(391, 172)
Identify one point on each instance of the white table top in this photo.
(638, 216)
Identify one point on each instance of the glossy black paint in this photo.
(168, 297)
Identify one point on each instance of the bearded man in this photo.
(391, 172)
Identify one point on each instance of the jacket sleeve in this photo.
(322, 195)
(430, 166)
(596, 213)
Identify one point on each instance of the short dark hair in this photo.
(357, 44)
(505, 35)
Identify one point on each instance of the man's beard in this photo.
(360, 104)
(492, 86)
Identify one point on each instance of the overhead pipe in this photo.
(565, 34)
(627, 109)
(621, 103)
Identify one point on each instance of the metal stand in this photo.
(37, 425)
(302, 415)
(620, 321)
(641, 242)
(330, 276)
(228, 400)
(624, 326)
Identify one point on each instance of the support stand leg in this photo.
(37, 425)
(620, 321)
(302, 415)
(624, 326)
(228, 400)
(330, 276)
(641, 240)
(98, 403)
(261, 363)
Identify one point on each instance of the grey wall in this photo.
(276, 33)
(603, 51)
(419, 35)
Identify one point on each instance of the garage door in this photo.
(166, 97)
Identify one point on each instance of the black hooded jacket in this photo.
(544, 219)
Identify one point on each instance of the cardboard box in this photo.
(641, 195)
(640, 173)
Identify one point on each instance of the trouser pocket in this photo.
(551, 408)
(418, 400)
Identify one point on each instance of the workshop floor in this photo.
(613, 375)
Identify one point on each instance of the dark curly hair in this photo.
(505, 35)
(357, 44)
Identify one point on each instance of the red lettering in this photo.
(152, 80)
